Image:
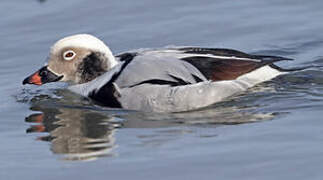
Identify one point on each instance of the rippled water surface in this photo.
(273, 131)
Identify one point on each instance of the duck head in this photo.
(75, 59)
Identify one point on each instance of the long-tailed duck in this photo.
(160, 80)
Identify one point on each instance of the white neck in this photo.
(111, 59)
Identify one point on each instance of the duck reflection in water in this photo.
(78, 134)
(80, 131)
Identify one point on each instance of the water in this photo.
(273, 131)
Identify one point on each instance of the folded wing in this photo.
(226, 64)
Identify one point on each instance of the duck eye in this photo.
(69, 55)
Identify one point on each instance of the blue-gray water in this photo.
(273, 131)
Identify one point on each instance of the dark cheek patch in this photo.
(91, 67)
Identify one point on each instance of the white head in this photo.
(85, 41)
(77, 59)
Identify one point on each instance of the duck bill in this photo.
(42, 76)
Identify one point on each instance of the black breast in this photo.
(106, 96)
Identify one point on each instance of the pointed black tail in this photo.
(293, 69)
